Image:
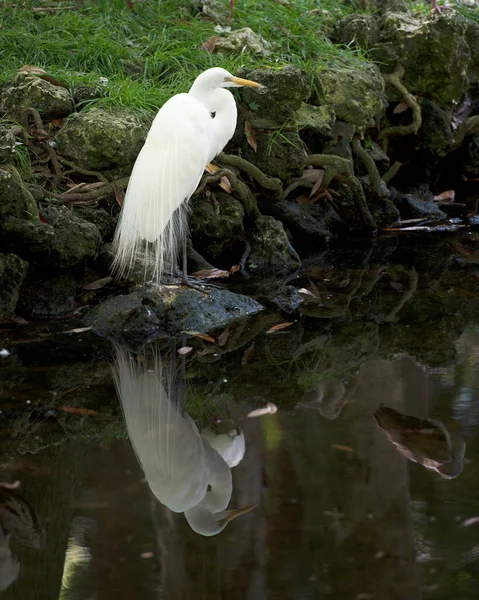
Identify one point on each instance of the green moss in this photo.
(15, 199)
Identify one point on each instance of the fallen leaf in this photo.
(118, 194)
(284, 3)
(269, 409)
(57, 122)
(78, 330)
(210, 44)
(98, 284)
(211, 168)
(250, 136)
(401, 107)
(74, 410)
(447, 195)
(211, 274)
(225, 184)
(278, 327)
(341, 447)
(305, 292)
(235, 268)
(223, 338)
(203, 336)
(247, 355)
(318, 183)
(184, 350)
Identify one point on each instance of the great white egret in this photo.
(182, 140)
(183, 471)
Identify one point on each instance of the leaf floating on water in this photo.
(250, 136)
(269, 409)
(211, 274)
(247, 355)
(78, 330)
(225, 184)
(342, 447)
(98, 284)
(185, 350)
(203, 336)
(210, 44)
(76, 410)
(278, 327)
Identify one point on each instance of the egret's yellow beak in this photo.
(246, 82)
(237, 512)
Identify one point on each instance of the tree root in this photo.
(341, 169)
(392, 172)
(265, 181)
(467, 127)
(81, 170)
(394, 79)
(89, 197)
(378, 184)
(408, 294)
(302, 182)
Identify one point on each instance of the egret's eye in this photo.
(226, 79)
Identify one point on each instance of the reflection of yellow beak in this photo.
(246, 82)
(237, 512)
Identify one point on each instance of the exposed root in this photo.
(394, 79)
(265, 181)
(341, 169)
(468, 127)
(82, 171)
(89, 197)
(408, 294)
(378, 184)
(392, 171)
(210, 178)
(302, 182)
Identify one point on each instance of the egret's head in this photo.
(221, 78)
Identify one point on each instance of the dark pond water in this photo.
(351, 500)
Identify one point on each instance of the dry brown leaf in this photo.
(223, 338)
(57, 122)
(304, 199)
(341, 447)
(75, 410)
(98, 284)
(225, 184)
(211, 274)
(235, 269)
(318, 183)
(118, 194)
(184, 350)
(278, 327)
(78, 330)
(312, 174)
(211, 168)
(250, 135)
(400, 108)
(210, 44)
(449, 195)
(247, 355)
(269, 409)
(203, 336)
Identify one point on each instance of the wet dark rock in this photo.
(469, 156)
(277, 156)
(36, 191)
(25, 91)
(352, 88)
(360, 30)
(98, 139)
(432, 49)
(48, 296)
(285, 90)
(435, 136)
(168, 310)
(15, 199)
(288, 299)
(101, 219)
(271, 251)
(32, 240)
(308, 231)
(12, 273)
(215, 223)
(7, 145)
(380, 158)
(340, 148)
(315, 125)
(412, 206)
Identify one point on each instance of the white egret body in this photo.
(183, 138)
(182, 469)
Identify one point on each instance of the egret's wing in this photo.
(167, 444)
(166, 173)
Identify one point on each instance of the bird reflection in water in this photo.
(183, 469)
(425, 441)
(19, 520)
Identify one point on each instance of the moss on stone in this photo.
(12, 273)
(271, 251)
(15, 199)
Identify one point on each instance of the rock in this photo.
(472, 39)
(308, 232)
(29, 91)
(98, 139)
(469, 153)
(12, 273)
(75, 239)
(214, 10)
(85, 93)
(435, 136)
(48, 297)
(99, 217)
(359, 30)
(215, 224)
(385, 6)
(7, 145)
(341, 148)
(378, 155)
(412, 206)
(433, 51)
(288, 299)
(32, 240)
(285, 89)
(168, 310)
(353, 88)
(15, 199)
(278, 156)
(271, 251)
(243, 41)
(315, 125)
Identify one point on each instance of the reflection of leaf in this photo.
(211, 274)
(203, 336)
(269, 409)
(250, 136)
(234, 268)
(78, 330)
(341, 447)
(210, 44)
(76, 410)
(184, 350)
(98, 284)
(247, 355)
(278, 327)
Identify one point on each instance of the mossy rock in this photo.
(215, 225)
(278, 155)
(7, 145)
(315, 125)
(271, 251)
(46, 297)
(433, 51)
(360, 30)
(243, 41)
(99, 139)
(32, 240)
(353, 88)
(435, 136)
(12, 273)
(285, 90)
(15, 199)
(29, 91)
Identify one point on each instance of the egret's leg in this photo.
(184, 276)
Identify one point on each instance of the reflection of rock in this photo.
(18, 518)
(9, 565)
(425, 441)
(12, 273)
(329, 398)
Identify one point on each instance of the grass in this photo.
(150, 56)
